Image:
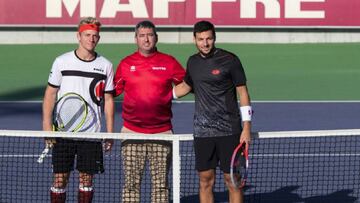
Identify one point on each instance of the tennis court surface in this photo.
(313, 159)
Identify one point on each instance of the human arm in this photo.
(245, 101)
(109, 108)
(47, 109)
(181, 90)
(178, 78)
(109, 112)
(109, 117)
(118, 81)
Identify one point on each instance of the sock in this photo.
(57, 195)
(85, 194)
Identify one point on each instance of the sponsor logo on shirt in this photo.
(132, 68)
(215, 72)
(99, 70)
(158, 68)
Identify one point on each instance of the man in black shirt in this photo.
(215, 76)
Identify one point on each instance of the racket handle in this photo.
(43, 155)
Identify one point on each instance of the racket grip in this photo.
(43, 155)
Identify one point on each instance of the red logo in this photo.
(99, 89)
(215, 72)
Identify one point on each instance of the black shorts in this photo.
(89, 156)
(209, 151)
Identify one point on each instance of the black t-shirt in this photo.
(214, 80)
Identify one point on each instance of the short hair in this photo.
(203, 26)
(145, 24)
(89, 20)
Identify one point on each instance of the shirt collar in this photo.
(210, 54)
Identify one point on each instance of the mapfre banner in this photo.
(178, 13)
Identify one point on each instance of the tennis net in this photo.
(288, 166)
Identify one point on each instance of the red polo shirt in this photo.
(147, 86)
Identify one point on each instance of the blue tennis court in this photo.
(298, 160)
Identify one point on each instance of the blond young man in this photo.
(90, 75)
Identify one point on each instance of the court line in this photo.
(20, 155)
(192, 155)
(295, 155)
(306, 155)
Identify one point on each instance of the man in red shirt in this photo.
(146, 77)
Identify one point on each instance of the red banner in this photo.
(179, 13)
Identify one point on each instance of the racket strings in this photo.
(238, 168)
(91, 121)
(70, 114)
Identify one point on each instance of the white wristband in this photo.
(246, 113)
(173, 92)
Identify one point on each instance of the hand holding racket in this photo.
(69, 115)
(239, 165)
(49, 143)
(107, 144)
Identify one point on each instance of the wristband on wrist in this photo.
(246, 113)
(174, 94)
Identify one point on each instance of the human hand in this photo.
(107, 144)
(50, 142)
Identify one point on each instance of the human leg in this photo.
(89, 162)
(58, 189)
(159, 162)
(133, 159)
(207, 180)
(86, 191)
(205, 162)
(235, 194)
(225, 147)
(63, 155)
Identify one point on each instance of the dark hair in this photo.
(145, 24)
(203, 26)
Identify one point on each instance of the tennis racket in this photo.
(239, 165)
(69, 115)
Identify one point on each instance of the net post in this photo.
(176, 167)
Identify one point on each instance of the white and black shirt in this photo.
(90, 79)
